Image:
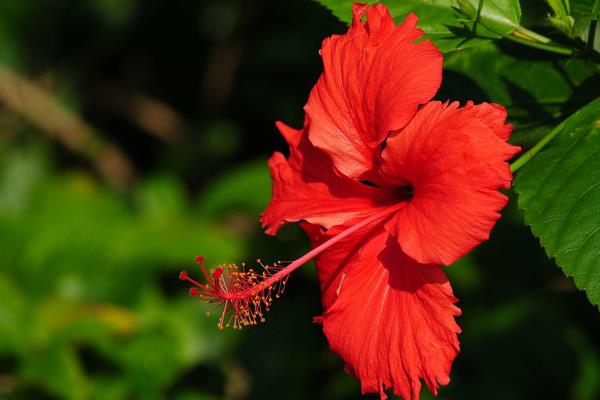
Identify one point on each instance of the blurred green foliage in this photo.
(83, 272)
(90, 303)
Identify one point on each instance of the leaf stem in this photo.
(591, 35)
(521, 31)
(527, 156)
(479, 8)
(542, 46)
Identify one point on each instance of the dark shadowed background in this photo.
(134, 136)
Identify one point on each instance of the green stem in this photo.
(525, 158)
(591, 36)
(533, 35)
(479, 8)
(542, 46)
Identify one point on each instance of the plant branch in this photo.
(24, 97)
(527, 34)
(479, 8)
(591, 36)
(542, 46)
(527, 156)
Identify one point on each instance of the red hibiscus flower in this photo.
(388, 186)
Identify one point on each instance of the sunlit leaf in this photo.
(448, 23)
(559, 191)
(58, 370)
(247, 188)
(536, 90)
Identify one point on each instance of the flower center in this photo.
(405, 192)
(242, 294)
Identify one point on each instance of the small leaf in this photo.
(559, 191)
(563, 23)
(499, 16)
(246, 188)
(561, 8)
(562, 19)
(161, 198)
(450, 24)
(58, 370)
(536, 91)
(584, 11)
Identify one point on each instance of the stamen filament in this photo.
(206, 275)
(312, 254)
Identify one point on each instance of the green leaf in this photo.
(499, 16)
(584, 11)
(161, 198)
(563, 23)
(58, 370)
(587, 385)
(561, 18)
(561, 8)
(114, 12)
(13, 329)
(246, 188)
(559, 191)
(195, 396)
(105, 388)
(447, 23)
(536, 91)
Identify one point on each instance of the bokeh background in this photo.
(134, 136)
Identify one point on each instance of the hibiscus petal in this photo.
(393, 322)
(492, 116)
(374, 78)
(455, 161)
(305, 186)
(332, 261)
